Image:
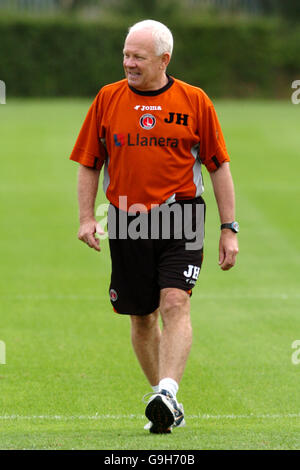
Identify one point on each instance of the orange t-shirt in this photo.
(152, 143)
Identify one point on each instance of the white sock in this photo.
(155, 388)
(170, 385)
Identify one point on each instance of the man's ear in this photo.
(166, 57)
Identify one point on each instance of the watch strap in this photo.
(234, 226)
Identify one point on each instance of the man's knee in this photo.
(174, 302)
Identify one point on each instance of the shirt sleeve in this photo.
(212, 144)
(88, 149)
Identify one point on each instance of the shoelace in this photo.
(148, 395)
(155, 393)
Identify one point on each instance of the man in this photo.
(153, 132)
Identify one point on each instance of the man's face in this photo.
(144, 70)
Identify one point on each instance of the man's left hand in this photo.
(228, 249)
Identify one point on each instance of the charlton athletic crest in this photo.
(113, 295)
(147, 121)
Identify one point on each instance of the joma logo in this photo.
(147, 108)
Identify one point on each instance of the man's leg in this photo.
(145, 337)
(176, 339)
(164, 354)
(163, 410)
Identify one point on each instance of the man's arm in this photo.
(88, 180)
(224, 193)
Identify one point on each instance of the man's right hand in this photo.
(87, 232)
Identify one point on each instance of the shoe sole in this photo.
(161, 417)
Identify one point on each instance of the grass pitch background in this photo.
(71, 379)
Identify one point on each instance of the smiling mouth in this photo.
(133, 74)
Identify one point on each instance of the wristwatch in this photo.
(234, 226)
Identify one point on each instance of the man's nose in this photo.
(130, 62)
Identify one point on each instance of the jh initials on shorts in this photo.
(192, 272)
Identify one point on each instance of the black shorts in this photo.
(159, 249)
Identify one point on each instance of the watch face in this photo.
(235, 226)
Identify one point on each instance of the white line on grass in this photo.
(98, 417)
(214, 296)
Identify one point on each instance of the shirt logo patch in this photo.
(119, 140)
(147, 108)
(147, 121)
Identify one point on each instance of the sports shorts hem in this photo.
(189, 292)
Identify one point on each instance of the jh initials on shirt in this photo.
(180, 119)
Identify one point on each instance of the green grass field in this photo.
(71, 380)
